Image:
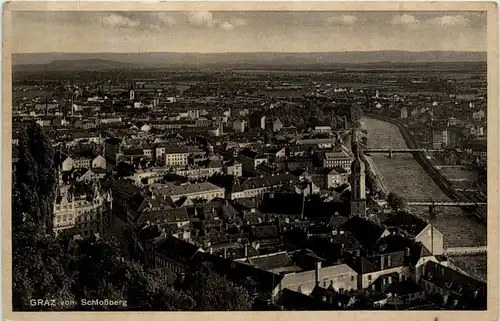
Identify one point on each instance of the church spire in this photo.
(358, 186)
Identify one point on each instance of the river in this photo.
(403, 175)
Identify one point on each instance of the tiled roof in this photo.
(337, 155)
(164, 216)
(265, 181)
(271, 261)
(174, 190)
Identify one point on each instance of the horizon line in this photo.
(246, 52)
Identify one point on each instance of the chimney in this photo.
(318, 270)
(246, 250)
(407, 252)
(210, 250)
(225, 253)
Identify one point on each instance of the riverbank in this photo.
(379, 179)
(422, 158)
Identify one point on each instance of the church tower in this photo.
(131, 91)
(358, 188)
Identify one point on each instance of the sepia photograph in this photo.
(249, 159)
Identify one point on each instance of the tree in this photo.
(101, 272)
(38, 262)
(396, 202)
(35, 182)
(212, 292)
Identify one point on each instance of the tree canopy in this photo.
(396, 201)
(212, 292)
(38, 262)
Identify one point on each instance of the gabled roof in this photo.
(264, 181)
(148, 232)
(411, 223)
(448, 278)
(418, 251)
(271, 261)
(337, 220)
(177, 249)
(367, 232)
(164, 216)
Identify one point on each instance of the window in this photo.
(369, 277)
(352, 278)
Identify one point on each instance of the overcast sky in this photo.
(247, 31)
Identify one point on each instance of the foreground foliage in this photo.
(43, 267)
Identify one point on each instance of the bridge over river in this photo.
(433, 204)
(465, 250)
(404, 175)
(392, 151)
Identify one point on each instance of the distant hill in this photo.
(239, 60)
(75, 64)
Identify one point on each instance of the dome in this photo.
(358, 166)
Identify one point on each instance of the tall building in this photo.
(131, 91)
(358, 190)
